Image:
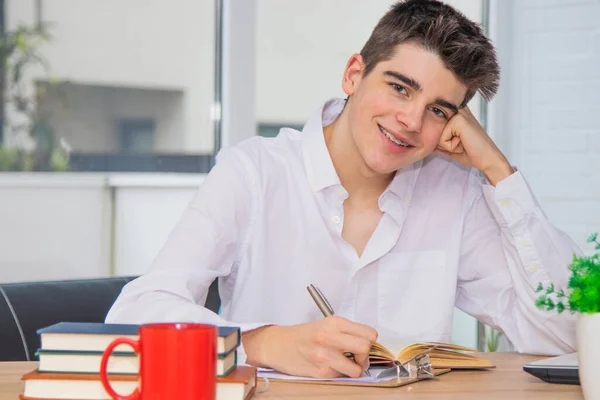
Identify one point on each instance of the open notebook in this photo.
(443, 355)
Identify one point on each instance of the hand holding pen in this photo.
(327, 311)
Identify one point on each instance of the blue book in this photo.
(88, 362)
(92, 336)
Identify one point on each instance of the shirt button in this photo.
(407, 200)
(524, 243)
(505, 202)
(533, 267)
(336, 219)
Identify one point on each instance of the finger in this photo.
(456, 144)
(457, 148)
(448, 140)
(362, 360)
(356, 345)
(330, 363)
(446, 136)
(345, 365)
(356, 329)
(443, 146)
(453, 145)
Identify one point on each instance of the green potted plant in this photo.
(582, 297)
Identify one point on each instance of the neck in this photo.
(355, 175)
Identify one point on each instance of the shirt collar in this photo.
(317, 160)
(319, 166)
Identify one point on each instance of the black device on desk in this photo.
(561, 369)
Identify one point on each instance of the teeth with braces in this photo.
(393, 138)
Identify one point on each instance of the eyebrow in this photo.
(447, 104)
(417, 86)
(409, 81)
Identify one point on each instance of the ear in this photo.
(353, 74)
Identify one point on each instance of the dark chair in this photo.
(29, 306)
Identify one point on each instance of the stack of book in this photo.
(70, 354)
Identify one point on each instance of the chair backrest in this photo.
(29, 306)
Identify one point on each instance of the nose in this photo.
(411, 116)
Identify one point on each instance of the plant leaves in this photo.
(540, 287)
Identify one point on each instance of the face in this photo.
(396, 114)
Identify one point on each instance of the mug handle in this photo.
(104, 362)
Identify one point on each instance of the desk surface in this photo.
(507, 381)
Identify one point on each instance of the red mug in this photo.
(177, 361)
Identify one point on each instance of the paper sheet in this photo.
(378, 374)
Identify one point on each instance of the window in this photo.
(142, 87)
(136, 135)
(272, 130)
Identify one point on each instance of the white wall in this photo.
(72, 225)
(145, 214)
(148, 44)
(53, 227)
(546, 114)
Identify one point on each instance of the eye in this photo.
(399, 88)
(438, 112)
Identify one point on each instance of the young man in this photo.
(394, 202)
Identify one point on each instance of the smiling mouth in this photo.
(392, 138)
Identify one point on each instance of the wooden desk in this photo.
(507, 381)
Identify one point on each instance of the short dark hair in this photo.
(459, 42)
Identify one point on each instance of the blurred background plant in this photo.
(30, 144)
(492, 339)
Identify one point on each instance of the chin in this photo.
(384, 165)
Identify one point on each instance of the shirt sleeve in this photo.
(204, 245)
(508, 247)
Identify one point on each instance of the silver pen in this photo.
(327, 311)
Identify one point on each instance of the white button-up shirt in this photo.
(268, 219)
